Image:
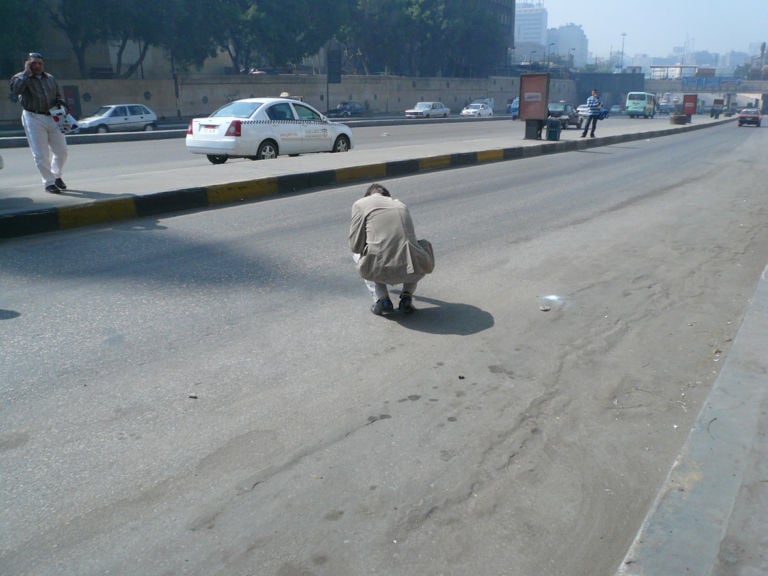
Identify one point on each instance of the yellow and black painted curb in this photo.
(126, 207)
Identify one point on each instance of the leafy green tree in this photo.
(82, 24)
(239, 26)
(285, 32)
(383, 33)
(140, 21)
(20, 34)
(472, 41)
(188, 31)
(280, 33)
(427, 37)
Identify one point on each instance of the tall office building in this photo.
(530, 23)
(530, 31)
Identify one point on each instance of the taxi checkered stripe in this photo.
(248, 122)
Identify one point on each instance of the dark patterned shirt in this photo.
(36, 93)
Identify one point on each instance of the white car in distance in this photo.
(428, 110)
(477, 110)
(263, 128)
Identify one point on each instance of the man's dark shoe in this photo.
(60, 184)
(406, 304)
(52, 189)
(383, 306)
(584, 135)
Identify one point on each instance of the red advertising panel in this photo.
(689, 104)
(534, 96)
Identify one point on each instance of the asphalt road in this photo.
(208, 394)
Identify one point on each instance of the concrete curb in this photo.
(685, 530)
(124, 207)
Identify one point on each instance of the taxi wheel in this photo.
(267, 150)
(341, 144)
(102, 129)
(217, 158)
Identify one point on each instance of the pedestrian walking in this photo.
(38, 92)
(385, 249)
(595, 105)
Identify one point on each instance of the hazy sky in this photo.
(654, 27)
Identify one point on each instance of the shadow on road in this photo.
(446, 318)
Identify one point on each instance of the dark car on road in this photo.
(566, 113)
(347, 109)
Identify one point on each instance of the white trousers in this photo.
(48, 145)
(379, 290)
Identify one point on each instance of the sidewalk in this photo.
(138, 196)
(711, 516)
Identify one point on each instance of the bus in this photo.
(641, 104)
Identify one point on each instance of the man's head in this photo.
(377, 189)
(35, 62)
(594, 91)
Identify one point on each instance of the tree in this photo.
(383, 33)
(472, 41)
(284, 41)
(20, 38)
(83, 25)
(188, 31)
(140, 21)
(240, 26)
(282, 33)
(427, 37)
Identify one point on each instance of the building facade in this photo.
(530, 32)
(570, 43)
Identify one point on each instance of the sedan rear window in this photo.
(237, 110)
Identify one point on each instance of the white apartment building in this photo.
(530, 31)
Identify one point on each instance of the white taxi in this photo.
(262, 128)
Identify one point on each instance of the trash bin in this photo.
(553, 129)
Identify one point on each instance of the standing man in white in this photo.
(38, 92)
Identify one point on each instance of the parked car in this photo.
(477, 110)
(750, 116)
(347, 109)
(262, 128)
(490, 102)
(428, 110)
(566, 113)
(119, 118)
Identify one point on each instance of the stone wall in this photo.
(198, 96)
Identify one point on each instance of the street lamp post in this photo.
(623, 36)
(548, 47)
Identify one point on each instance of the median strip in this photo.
(121, 208)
